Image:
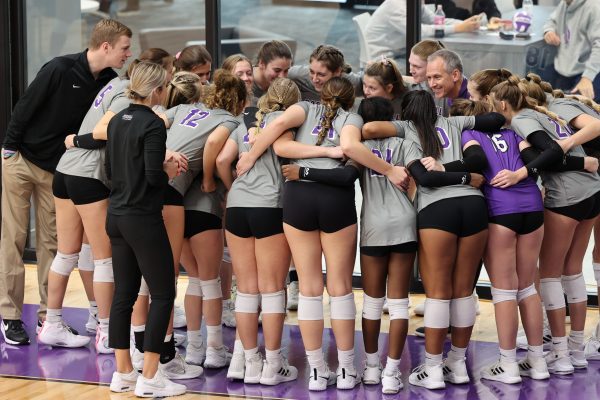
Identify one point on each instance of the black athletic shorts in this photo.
(310, 206)
(258, 222)
(384, 251)
(462, 216)
(78, 189)
(585, 209)
(520, 223)
(199, 221)
(172, 197)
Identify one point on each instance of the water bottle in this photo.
(528, 7)
(439, 21)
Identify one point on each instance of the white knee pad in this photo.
(211, 289)
(86, 260)
(372, 307)
(64, 264)
(226, 256)
(398, 308)
(310, 308)
(437, 313)
(273, 303)
(194, 288)
(500, 295)
(144, 291)
(343, 307)
(574, 288)
(246, 303)
(525, 293)
(597, 272)
(463, 312)
(552, 293)
(103, 271)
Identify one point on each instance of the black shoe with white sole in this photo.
(13, 332)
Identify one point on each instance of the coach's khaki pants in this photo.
(23, 181)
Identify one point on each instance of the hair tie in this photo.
(177, 55)
(336, 98)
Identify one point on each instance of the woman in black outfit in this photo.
(135, 163)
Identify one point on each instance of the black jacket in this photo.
(52, 107)
(479, 6)
(135, 152)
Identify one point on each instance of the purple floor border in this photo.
(83, 365)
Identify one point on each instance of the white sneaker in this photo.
(292, 296)
(547, 341)
(177, 368)
(121, 383)
(274, 374)
(535, 368)
(179, 339)
(372, 374)
(347, 378)
(592, 349)
(391, 381)
(430, 377)
(502, 371)
(253, 369)
(137, 359)
(102, 342)
(92, 323)
(319, 380)
(237, 367)
(455, 371)
(420, 309)
(217, 357)
(159, 386)
(228, 317)
(57, 334)
(559, 364)
(179, 320)
(578, 359)
(195, 353)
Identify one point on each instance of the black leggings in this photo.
(140, 247)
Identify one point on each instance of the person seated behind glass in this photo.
(573, 29)
(386, 30)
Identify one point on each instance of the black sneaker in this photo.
(420, 331)
(38, 328)
(13, 332)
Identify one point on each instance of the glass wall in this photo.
(63, 26)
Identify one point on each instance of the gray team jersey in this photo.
(212, 203)
(569, 109)
(387, 217)
(562, 188)
(309, 132)
(262, 185)
(90, 163)
(300, 74)
(449, 131)
(191, 124)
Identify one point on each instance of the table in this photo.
(485, 49)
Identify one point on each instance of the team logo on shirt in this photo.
(195, 115)
(562, 132)
(101, 95)
(443, 137)
(388, 159)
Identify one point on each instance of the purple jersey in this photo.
(502, 152)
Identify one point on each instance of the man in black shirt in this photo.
(51, 108)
